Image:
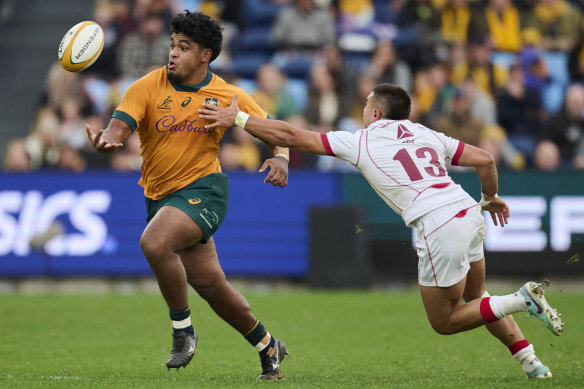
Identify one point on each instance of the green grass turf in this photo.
(341, 339)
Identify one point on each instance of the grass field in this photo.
(342, 339)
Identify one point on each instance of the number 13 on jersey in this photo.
(423, 153)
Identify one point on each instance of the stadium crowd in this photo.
(504, 75)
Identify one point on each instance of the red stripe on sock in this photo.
(487, 312)
(518, 346)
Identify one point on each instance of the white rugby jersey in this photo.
(404, 162)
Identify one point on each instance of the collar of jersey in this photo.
(192, 88)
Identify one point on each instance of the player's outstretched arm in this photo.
(486, 169)
(276, 132)
(111, 139)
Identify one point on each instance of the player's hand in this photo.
(278, 175)
(101, 145)
(498, 209)
(220, 117)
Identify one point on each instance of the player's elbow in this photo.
(485, 159)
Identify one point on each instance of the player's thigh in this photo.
(202, 264)
(440, 302)
(475, 280)
(447, 245)
(170, 229)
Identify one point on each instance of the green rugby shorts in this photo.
(204, 200)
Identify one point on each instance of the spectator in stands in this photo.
(421, 43)
(477, 65)
(501, 21)
(61, 85)
(17, 158)
(355, 15)
(547, 156)
(303, 28)
(520, 112)
(162, 9)
(128, 159)
(115, 19)
(534, 67)
(72, 128)
(43, 142)
(272, 94)
(70, 159)
(387, 67)
(325, 105)
(576, 62)
(558, 22)
(459, 122)
(482, 105)
(454, 18)
(365, 84)
(239, 150)
(435, 98)
(566, 128)
(494, 140)
(342, 70)
(144, 49)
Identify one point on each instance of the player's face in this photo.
(186, 59)
(370, 113)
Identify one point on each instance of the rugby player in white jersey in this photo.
(406, 164)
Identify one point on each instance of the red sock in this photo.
(486, 311)
(518, 346)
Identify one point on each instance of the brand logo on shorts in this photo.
(186, 102)
(194, 201)
(403, 132)
(212, 101)
(165, 104)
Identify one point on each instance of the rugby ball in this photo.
(81, 46)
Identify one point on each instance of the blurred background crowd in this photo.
(504, 75)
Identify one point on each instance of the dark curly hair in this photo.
(201, 29)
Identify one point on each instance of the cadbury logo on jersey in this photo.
(166, 124)
(403, 132)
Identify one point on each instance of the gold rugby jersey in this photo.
(176, 149)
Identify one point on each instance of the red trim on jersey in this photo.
(518, 346)
(486, 311)
(327, 145)
(459, 214)
(435, 186)
(457, 154)
(385, 125)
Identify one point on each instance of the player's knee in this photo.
(443, 327)
(153, 250)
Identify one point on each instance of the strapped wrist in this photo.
(287, 158)
(484, 202)
(241, 119)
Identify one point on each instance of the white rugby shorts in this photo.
(448, 240)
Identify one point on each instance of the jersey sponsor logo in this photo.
(212, 101)
(186, 102)
(403, 132)
(167, 124)
(165, 105)
(194, 201)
